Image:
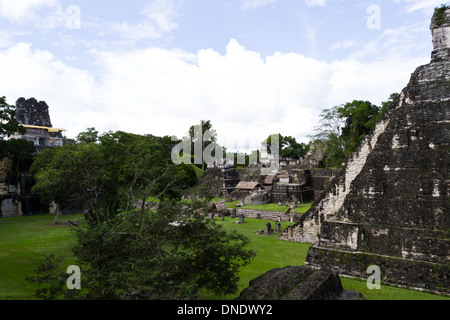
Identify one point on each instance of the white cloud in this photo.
(162, 92)
(17, 10)
(343, 45)
(316, 3)
(162, 13)
(396, 42)
(159, 19)
(424, 5)
(253, 4)
(7, 37)
(381, 66)
(242, 94)
(373, 81)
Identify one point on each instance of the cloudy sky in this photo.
(252, 67)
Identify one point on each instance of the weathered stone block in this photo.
(297, 283)
(389, 205)
(394, 270)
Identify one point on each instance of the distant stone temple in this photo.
(15, 180)
(250, 192)
(35, 117)
(390, 204)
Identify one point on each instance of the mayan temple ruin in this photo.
(390, 206)
(16, 198)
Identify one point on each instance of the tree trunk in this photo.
(143, 205)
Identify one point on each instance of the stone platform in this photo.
(298, 283)
(389, 206)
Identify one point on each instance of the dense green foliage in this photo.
(440, 15)
(342, 128)
(172, 253)
(8, 123)
(201, 135)
(273, 207)
(25, 240)
(106, 174)
(289, 147)
(15, 148)
(128, 251)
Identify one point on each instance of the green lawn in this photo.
(25, 240)
(270, 252)
(274, 253)
(301, 208)
(387, 292)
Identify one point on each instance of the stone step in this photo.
(298, 283)
(408, 243)
(393, 270)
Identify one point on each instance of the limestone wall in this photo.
(308, 228)
(264, 215)
(390, 206)
(398, 175)
(397, 271)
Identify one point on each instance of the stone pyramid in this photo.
(390, 204)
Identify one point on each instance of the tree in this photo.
(110, 173)
(14, 148)
(88, 136)
(360, 119)
(145, 168)
(172, 253)
(342, 128)
(289, 147)
(8, 123)
(292, 149)
(328, 136)
(199, 133)
(387, 104)
(52, 182)
(136, 253)
(18, 149)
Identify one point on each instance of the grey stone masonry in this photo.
(264, 215)
(33, 112)
(390, 205)
(297, 283)
(440, 24)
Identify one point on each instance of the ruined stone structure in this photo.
(34, 116)
(15, 179)
(221, 181)
(286, 192)
(32, 112)
(297, 283)
(390, 205)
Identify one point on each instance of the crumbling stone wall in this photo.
(32, 112)
(264, 215)
(15, 180)
(390, 206)
(297, 283)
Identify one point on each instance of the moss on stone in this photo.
(440, 15)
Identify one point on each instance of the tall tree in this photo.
(172, 253)
(360, 119)
(53, 182)
(8, 123)
(289, 147)
(111, 173)
(15, 148)
(202, 135)
(342, 128)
